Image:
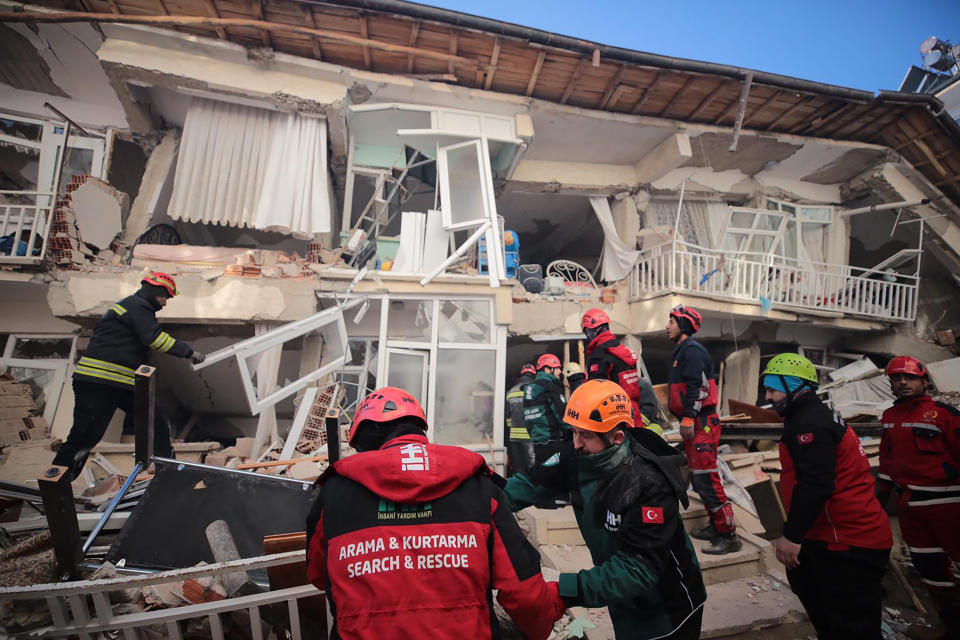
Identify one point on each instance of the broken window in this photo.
(465, 397)
(40, 361)
(752, 231)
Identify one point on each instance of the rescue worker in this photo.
(103, 379)
(920, 458)
(519, 445)
(543, 404)
(626, 491)
(836, 539)
(693, 399)
(409, 538)
(574, 375)
(607, 359)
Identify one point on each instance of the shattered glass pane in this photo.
(464, 409)
(407, 371)
(410, 320)
(464, 321)
(41, 383)
(42, 348)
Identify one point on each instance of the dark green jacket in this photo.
(543, 406)
(626, 500)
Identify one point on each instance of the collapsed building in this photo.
(371, 193)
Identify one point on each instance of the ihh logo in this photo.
(613, 521)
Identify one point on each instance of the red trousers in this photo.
(701, 453)
(932, 533)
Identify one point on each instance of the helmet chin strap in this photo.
(782, 406)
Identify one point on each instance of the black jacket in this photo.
(122, 341)
(693, 384)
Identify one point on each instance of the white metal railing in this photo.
(69, 603)
(25, 221)
(681, 267)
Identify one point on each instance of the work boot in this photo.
(727, 543)
(918, 631)
(708, 532)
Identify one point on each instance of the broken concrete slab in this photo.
(748, 604)
(551, 526)
(945, 375)
(98, 209)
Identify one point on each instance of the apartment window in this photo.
(754, 231)
(805, 232)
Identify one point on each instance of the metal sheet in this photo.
(167, 528)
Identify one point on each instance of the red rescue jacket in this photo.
(693, 385)
(409, 541)
(920, 448)
(607, 359)
(825, 481)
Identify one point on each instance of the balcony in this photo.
(25, 220)
(775, 281)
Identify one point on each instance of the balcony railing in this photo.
(777, 281)
(25, 220)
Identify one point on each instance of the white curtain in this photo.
(701, 222)
(247, 167)
(618, 256)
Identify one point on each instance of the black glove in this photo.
(196, 357)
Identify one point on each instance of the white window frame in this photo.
(798, 218)
(327, 321)
(424, 355)
(60, 366)
(747, 234)
(443, 182)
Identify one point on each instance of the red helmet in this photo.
(906, 364)
(527, 368)
(385, 404)
(548, 360)
(689, 314)
(593, 319)
(161, 279)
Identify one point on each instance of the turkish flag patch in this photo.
(805, 438)
(652, 515)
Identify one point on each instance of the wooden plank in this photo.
(212, 10)
(830, 110)
(577, 70)
(760, 107)
(492, 69)
(708, 100)
(412, 42)
(678, 95)
(258, 11)
(612, 86)
(160, 5)
(617, 94)
(114, 7)
(648, 92)
(364, 33)
(757, 414)
(312, 21)
(869, 123)
(789, 111)
(538, 65)
(453, 50)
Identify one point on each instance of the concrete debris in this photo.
(98, 209)
(18, 413)
(945, 375)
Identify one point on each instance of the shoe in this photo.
(724, 544)
(704, 533)
(919, 631)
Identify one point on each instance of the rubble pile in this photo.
(19, 419)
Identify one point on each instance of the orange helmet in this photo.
(161, 279)
(598, 405)
(906, 364)
(527, 368)
(386, 404)
(593, 319)
(548, 360)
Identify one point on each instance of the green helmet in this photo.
(791, 364)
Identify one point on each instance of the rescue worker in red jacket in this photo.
(409, 538)
(836, 540)
(693, 399)
(103, 379)
(608, 359)
(920, 458)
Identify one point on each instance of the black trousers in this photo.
(94, 405)
(840, 590)
(519, 456)
(690, 629)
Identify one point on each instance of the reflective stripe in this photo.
(926, 550)
(106, 375)
(714, 470)
(953, 487)
(921, 425)
(936, 583)
(109, 366)
(116, 308)
(884, 476)
(927, 503)
(168, 344)
(519, 433)
(515, 394)
(889, 425)
(163, 342)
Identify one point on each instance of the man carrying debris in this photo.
(104, 377)
(693, 399)
(409, 538)
(543, 404)
(836, 540)
(625, 490)
(920, 457)
(519, 446)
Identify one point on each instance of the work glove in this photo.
(686, 428)
(196, 357)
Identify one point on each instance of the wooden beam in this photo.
(258, 11)
(612, 86)
(202, 21)
(212, 10)
(729, 110)
(826, 109)
(676, 96)
(866, 125)
(494, 59)
(837, 126)
(760, 107)
(617, 94)
(577, 70)
(741, 109)
(114, 6)
(161, 5)
(412, 42)
(312, 21)
(829, 117)
(364, 34)
(648, 92)
(536, 72)
(708, 100)
(925, 149)
(789, 111)
(454, 41)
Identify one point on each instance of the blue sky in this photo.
(853, 43)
